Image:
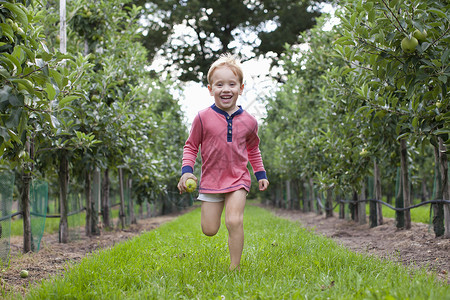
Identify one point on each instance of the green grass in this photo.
(281, 260)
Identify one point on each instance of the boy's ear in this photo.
(241, 89)
(210, 90)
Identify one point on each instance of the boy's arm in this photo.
(190, 151)
(255, 158)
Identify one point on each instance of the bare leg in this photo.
(234, 220)
(210, 219)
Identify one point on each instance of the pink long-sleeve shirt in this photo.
(227, 143)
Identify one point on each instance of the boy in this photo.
(228, 138)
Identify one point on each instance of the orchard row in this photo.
(75, 97)
(367, 98)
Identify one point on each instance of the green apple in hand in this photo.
(191, 185)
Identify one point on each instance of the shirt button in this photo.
(229, 131)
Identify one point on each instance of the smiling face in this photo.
(225, 87)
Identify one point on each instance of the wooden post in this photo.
(62, 27)
(405, 182)
(122, 203)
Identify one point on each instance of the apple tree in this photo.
(403, 46)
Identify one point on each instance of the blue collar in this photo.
(218, 110)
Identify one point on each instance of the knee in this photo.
(234, 222)
(209, 231)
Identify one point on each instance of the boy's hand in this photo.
(182, 183)
(263, 184)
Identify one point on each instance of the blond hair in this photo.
(230, 61)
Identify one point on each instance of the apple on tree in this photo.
(420, 35)
(409, 44)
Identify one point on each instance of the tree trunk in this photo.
(329, 203)
(95, 205)
(438, 208)
(88, 195)
(63, 176)
(288, 195)
(378, 195)
(25, 200)
(354, 207)
(341, 206)
(25, 206)
(141, 211)
(122, 200)
(405, 182)
(443, 166)
(149, 209)
(311, 195)
(423, 187)
(131, 203)
(362, 206)
(399, 215)
(106, 200)
(91, 213)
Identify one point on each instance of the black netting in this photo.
(6, 196)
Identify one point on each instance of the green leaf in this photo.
(7, 31)
(438, 12)
(393, 3)
(24, 84)
(443, 78)
(442, 131)
(50, 90)
(14, 119)
(414, 122)
(15, 61)
(15, 101)
(28, 51)
(67, 99)
(380, 114)
(18, 12)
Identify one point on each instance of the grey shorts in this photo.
(211, 197)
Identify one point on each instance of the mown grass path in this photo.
(281, 260)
